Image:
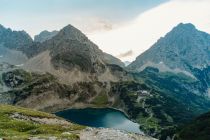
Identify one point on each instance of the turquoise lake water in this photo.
(106, 117)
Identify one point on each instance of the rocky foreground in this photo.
(110, 134)
(25, 124)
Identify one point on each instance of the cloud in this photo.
(147, 28)
(126, 54)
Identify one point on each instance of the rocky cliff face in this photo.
(184, 46)
(71, 49)
(14, 39)
(72, 57)
(12, 45)
(183, 50)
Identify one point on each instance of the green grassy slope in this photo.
(20, 123)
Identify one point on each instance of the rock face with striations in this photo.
(70, 48)
(182, 48)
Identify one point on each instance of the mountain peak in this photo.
(72, 33)
(184, 28)
(183, 47)
(70, 29)
(182, 33)
(185, 25)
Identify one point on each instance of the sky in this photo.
(87, 15)
(123, 28)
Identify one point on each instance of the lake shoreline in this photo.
(106, 117)
(85, 106)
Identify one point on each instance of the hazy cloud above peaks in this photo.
(87, 15)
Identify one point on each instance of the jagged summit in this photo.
(187, 26)
(71, 33)
(71, 49)
(183, 32)
(45, 35)
(14, 31)
(14, 39)
(183, 47)
(69, 27)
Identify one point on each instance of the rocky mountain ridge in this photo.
(14, 39)
(182, 47)
(183, 50)
(44, 35)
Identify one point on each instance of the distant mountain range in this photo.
(165, 87)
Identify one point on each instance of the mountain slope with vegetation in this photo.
(197, 129)
(26, 124)
(161, 101)
(20, 123)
